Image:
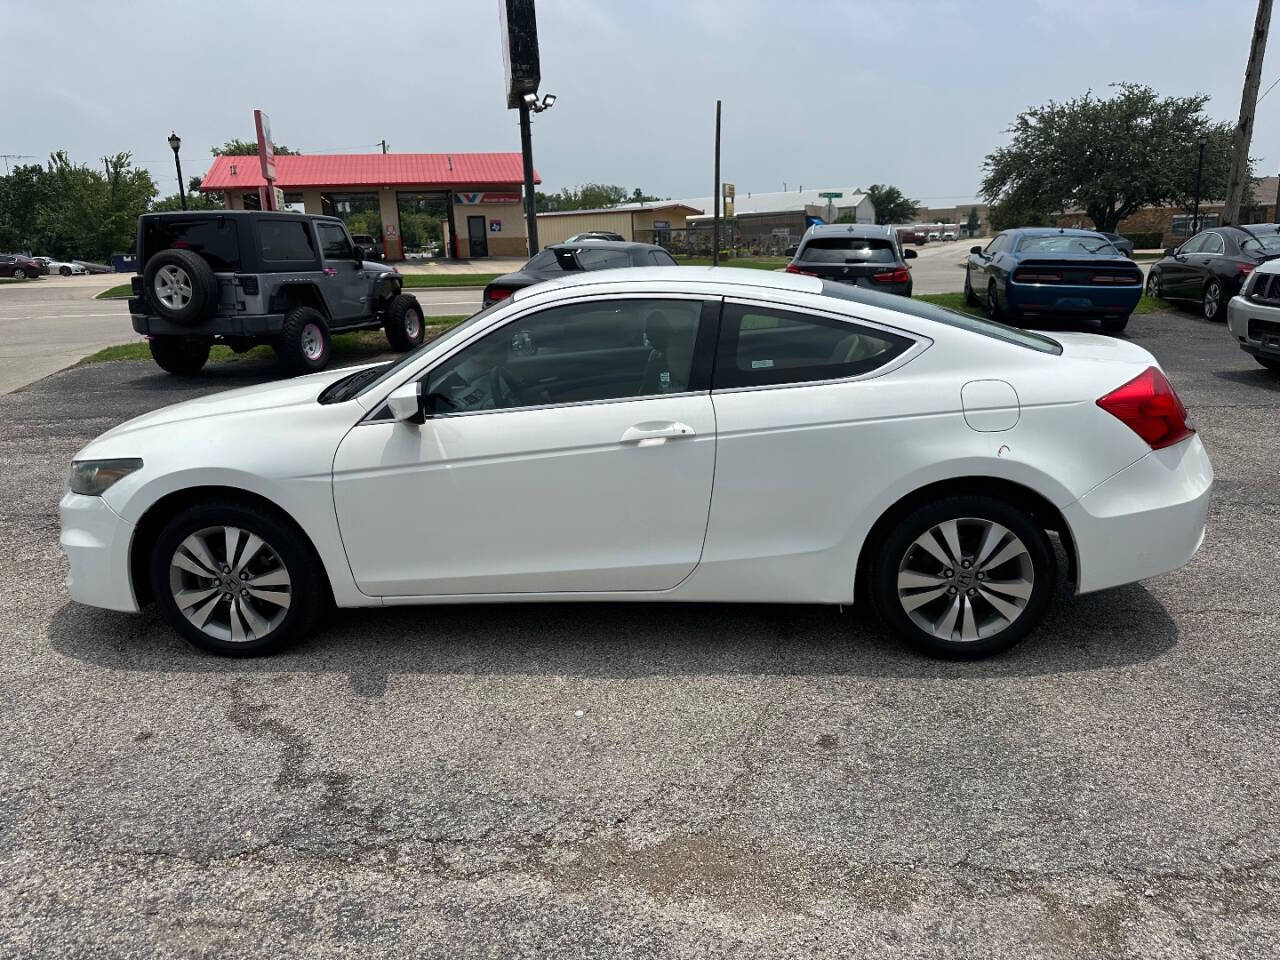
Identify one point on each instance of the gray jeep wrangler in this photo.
(247, 277)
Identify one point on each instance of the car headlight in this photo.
(93, 478)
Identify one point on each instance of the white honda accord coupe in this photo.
(661, 434)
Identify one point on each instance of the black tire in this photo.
(304, 345)
(993, 302)
(180, 287)
(19, 273)
(1211, 301)
(184, 356)
(1269, 363)
(1115, 324)
(1153, 284)
(283, 547)
(403, 322)
(970, 297)
(963, 589)
(65, 271)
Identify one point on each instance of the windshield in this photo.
(929, 311)
(848, 250)
(386, 373)
(1062, 243)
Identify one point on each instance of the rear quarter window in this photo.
(215, 239)
(288, 241)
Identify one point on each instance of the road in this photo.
(53, 322)
(652, 780)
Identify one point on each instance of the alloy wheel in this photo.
(1153, 285)
(19, 274)
(230, 584)
(1212, 297)
(173, 286)
(966, 579)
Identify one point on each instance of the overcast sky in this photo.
(815, 93)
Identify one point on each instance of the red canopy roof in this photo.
(370, 170)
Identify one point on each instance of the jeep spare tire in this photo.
(180, 286)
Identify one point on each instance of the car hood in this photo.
(275, 395)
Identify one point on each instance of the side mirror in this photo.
(405, 403)
(909, 254)
(1169, 251)
(357, 253)
(975, 249)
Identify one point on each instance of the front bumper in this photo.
(1146, 520)
(1046, 298)
(96, 541)
(1255, 326)
(249, 325)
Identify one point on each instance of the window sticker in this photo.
(761, 364)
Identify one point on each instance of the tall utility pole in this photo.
(384, 146)
(1243, 134)
(530, 199)
(715, 199)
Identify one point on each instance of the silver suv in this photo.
(1253, 317)
(248, 277)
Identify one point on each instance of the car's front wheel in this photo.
(964, 577)
(234, 579)
(184, 356)
(1153, 284)
(970, 297)
(19, 274)
(65, 271)
(403, 322)
(1212, 302)
(993, 302)
(303, 345)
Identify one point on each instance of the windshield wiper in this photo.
(349, 386)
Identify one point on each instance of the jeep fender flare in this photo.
(300, 293)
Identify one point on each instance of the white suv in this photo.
(1253, 317)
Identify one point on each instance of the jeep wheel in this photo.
(180, 286)
(303, 345)
(403, 322)
(184, 356)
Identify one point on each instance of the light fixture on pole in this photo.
(175, 144)
(529, 105)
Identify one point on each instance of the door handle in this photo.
(656, 431)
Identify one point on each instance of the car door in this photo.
(344, 283)
(1177, 271)
(570, 450)
(981, 269)
(804, 439)
(1207, 263)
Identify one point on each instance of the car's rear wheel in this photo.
(403, 322)
(965, 577)
(232, 578)
(970, 297)
(184, 356)
(1212, 302)
(993, 302)
(65, 271)
(19, 273)
(1153, 284)
(1115, 324)
(303, 345)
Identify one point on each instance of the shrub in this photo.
(1145, 241)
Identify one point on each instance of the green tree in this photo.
(248, 148)
(588, 196)
(892, 205)
(87, 214)
(973, 223)
(1107, 156)
(22, 193)
(1017, 209)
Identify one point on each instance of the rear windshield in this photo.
(848, 250)
(215, 239)
(952, 318)
(1065, 244)
(1266, 244)
(593, 258)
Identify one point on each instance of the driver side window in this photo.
(576, 353)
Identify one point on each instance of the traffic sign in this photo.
(831, 195)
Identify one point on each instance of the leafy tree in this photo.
(247, 148)
(892, 205)
(1108, 156)
(21, 194)
(973, 223)
(1017, 209)
(588, 196)
(195, 201)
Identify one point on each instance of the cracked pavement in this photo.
(742, 781)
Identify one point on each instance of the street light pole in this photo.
(175, 143)
(1195, 219)
(526, 150)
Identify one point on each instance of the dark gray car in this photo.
(559, 258)
(859, 254)
(248, 277)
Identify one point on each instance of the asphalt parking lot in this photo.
(647, 781)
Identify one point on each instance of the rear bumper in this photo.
(1064, 298)
(1146, 520)
(96, 541)
(1263, 340)
(255, 325)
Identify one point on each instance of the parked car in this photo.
(58, 266)
(372, 246)
(1212, 266)
(860, 254)
(556, 260)
(680, 434)
(934, 235)
(596, 235)
(19, 267)
(1125, 246)
(1033, 272)
(948, 235)
(248, 277)
(1253, 317)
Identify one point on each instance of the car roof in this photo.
(210, 214)
(1053, 232)
(721, 276)
(628, 245)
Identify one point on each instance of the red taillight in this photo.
(792, 268)
(1149, 407)
(494, 294)
(1029, 276)
(1246, 268)
(1122, 278)
(901, 275)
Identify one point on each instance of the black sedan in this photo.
(559, 258)
(1211, 267)
(1124, 245)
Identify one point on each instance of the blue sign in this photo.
(813, 221)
